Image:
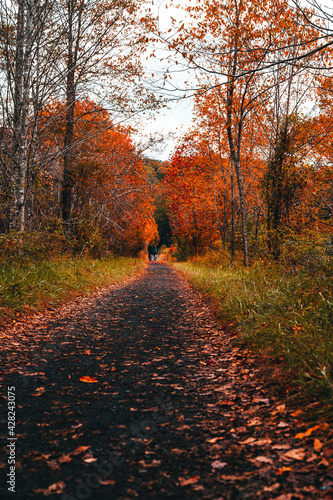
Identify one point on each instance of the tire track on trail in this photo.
(175, 409)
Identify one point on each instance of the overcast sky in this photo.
(174, 121)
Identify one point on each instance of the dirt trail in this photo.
(172, 408)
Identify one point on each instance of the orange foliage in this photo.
(111, 196)
(193, 186)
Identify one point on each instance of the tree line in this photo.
(255, 170)
(70, 76)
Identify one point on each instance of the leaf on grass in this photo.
(64, 459)
(187, 482)
(88, 380)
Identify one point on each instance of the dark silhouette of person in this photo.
(151, 251)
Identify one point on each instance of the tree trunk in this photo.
(73, 41)
(232, 210)
(24, 41)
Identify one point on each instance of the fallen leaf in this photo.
(186, 482)
(88, 380)
(107, 482)
(296, 413)
(296, 454)
(262, 460)
(89, 460)
(219, 465)
(260, 400)
(215, 440)
(283, 469)
(273, 487)
(317, 444)
(261, 442)
(54, 488)
(254, 421)
(249, 440)
(308, 432)
(282, 424)
(39, 391)
(80, 449)
(64, 459)
(281, 447)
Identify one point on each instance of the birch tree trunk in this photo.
(20, 115)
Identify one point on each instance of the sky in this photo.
(176, 118)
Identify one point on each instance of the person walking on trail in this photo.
(150, 251)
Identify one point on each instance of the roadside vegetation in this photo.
(279, 310)
(41, 270)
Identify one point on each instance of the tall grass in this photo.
(42, 283)
(284, 312)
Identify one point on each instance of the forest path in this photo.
(177, 411)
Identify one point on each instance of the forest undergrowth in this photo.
(281, 312)
(34, 277)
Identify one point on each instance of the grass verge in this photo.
(37, 285)
(287, 315)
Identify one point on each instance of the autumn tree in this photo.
(112, 199)
(234, 46)
(191, 187)
(63, 51)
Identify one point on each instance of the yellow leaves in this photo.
(88, 380)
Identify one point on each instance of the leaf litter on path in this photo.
(171, 405)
